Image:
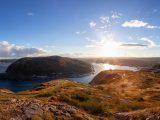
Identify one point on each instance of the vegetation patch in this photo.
(85, 100)
(130, 107)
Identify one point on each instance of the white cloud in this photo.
(150, 43)
(134, 23)
(115, 16)
(10, 50)
(30, 14)
(109, 41)
(92, 24)
(138, 24)
(103, 27)
(78, 55)
(104, 19)
(146, 44)
(79, 32)
(152, 27)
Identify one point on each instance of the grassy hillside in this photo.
(60, 99)
(140, 85)
(140, 90)
(67, 100)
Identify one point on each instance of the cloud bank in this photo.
(134, 23)
(146, 44)
(10, 50)
(133, 45)
(138, 24)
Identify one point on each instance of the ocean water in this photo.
(3, 66)
(19, 85)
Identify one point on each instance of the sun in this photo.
(110, 49)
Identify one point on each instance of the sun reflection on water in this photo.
(108, 67)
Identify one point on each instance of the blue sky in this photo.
(80, 28)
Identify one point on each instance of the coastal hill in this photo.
(28, 67)
(111, 95)
(143, 84)
(139, 88)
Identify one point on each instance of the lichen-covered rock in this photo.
(27, 109)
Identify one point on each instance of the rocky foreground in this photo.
(38, 104)
(22, 109)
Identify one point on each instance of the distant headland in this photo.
(46, 68)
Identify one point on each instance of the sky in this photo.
(80, 28)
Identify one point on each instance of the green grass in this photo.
(94, 106)
(49, 94)
(129, 107)
(84, 99)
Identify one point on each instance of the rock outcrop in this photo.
(30, 109)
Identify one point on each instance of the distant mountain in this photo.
(124, 61)
(28, 67)
(7, 60)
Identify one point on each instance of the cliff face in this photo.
(47, 66)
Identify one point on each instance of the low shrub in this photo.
(85, 100)
(129, 107)
(81, 96)
(94, 106)
(45, 94)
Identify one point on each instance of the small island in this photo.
(46, 68)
